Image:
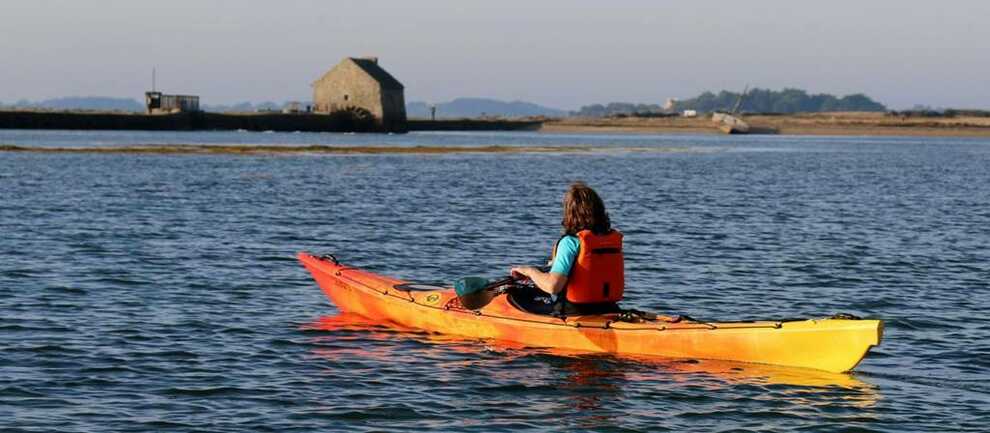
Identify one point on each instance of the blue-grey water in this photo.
(161, 293)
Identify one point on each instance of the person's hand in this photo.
(522, 272)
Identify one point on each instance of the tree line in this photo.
(756, 101)
(782, 101)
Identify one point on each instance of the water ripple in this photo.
(160, 292)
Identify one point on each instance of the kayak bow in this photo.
(834, 345)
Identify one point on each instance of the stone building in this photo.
(360, 88)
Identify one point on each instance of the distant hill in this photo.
(616, 108)
(93, 103)
(99, 103)
(461, 107)
(477, 107)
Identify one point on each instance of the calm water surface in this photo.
(160, 292)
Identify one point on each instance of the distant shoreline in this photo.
(846, 124)
(208, 121)
(819, 124)
(208, 149)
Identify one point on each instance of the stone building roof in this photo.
(382, 76)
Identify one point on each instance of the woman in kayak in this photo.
(586, 273)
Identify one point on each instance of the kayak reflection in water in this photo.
(586, 274)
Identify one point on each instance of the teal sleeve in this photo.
(567, 251)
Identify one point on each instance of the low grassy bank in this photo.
(795, 124)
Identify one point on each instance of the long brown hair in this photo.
(584, 210)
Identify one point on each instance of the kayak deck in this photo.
(835, 345)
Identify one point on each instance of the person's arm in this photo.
(549, 282)
(554, 281)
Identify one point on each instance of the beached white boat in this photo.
(730, 124)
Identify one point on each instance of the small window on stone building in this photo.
(346, 97)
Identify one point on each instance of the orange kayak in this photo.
(835, 345)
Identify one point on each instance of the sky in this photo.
(557, 53)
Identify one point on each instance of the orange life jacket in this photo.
(598, 273)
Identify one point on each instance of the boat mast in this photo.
(735, 109)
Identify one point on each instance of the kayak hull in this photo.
(833, 345)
